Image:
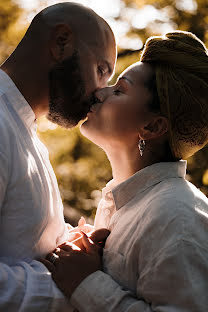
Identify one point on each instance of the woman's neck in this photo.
(125, 162)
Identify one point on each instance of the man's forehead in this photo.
(101, 44)
(106, 53)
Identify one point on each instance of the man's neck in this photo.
(31, 82)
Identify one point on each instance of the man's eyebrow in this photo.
(125, 78)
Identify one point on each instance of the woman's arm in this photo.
(176, 281)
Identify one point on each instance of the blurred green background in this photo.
(82, 169)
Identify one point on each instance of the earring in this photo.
(141, 146)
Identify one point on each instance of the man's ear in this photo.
(61, 42)
(155, 128)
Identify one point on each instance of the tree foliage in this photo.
(10, 30)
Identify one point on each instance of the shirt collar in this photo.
(17, 100)
(142, 180)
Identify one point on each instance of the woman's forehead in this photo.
(138, 72)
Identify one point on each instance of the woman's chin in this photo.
(90, 133)
(85, 128)
(84, 124)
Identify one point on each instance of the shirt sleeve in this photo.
(29, 287)
(26, 286)
(4, 171)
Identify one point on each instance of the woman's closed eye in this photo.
(117, 91)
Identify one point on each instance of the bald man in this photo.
(67, 53)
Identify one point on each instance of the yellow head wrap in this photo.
(181, 64)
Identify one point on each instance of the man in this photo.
(67, 53)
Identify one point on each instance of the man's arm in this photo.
(25, 286)
(28, 287)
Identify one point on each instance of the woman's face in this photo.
(122, 110)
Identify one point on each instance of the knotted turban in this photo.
(180, 60)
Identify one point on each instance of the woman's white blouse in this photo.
(156, 257)
(31, 210)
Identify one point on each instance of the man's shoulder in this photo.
(5, 114)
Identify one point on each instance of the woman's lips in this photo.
(94, 108)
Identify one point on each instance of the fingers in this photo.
(65, 247)
(50, 266)
(78, 242)
(81, 222)
(89, 246)
(83, 226)
(69, 227)
(99, 235)
(75, 229)
(73, 236)
(51, 257)
(61, 252)
(86, 243)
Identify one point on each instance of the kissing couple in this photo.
(148, 248)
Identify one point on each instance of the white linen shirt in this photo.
(156, 257)
(31, 210)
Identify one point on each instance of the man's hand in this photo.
(73, 264)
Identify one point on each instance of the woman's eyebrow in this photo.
(125, 78)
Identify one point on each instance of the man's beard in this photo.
(66, 90)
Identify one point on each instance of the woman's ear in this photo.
(155, 128)
(61, 42)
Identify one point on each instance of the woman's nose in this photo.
(101, 94)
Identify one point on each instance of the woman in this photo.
(155, 115)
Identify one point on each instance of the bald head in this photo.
(83, 21)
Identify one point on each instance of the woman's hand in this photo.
(75, 233)
(70, 265)
(98, 237)
(82, 226)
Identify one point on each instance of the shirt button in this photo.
(107, 212)
(109, 195)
